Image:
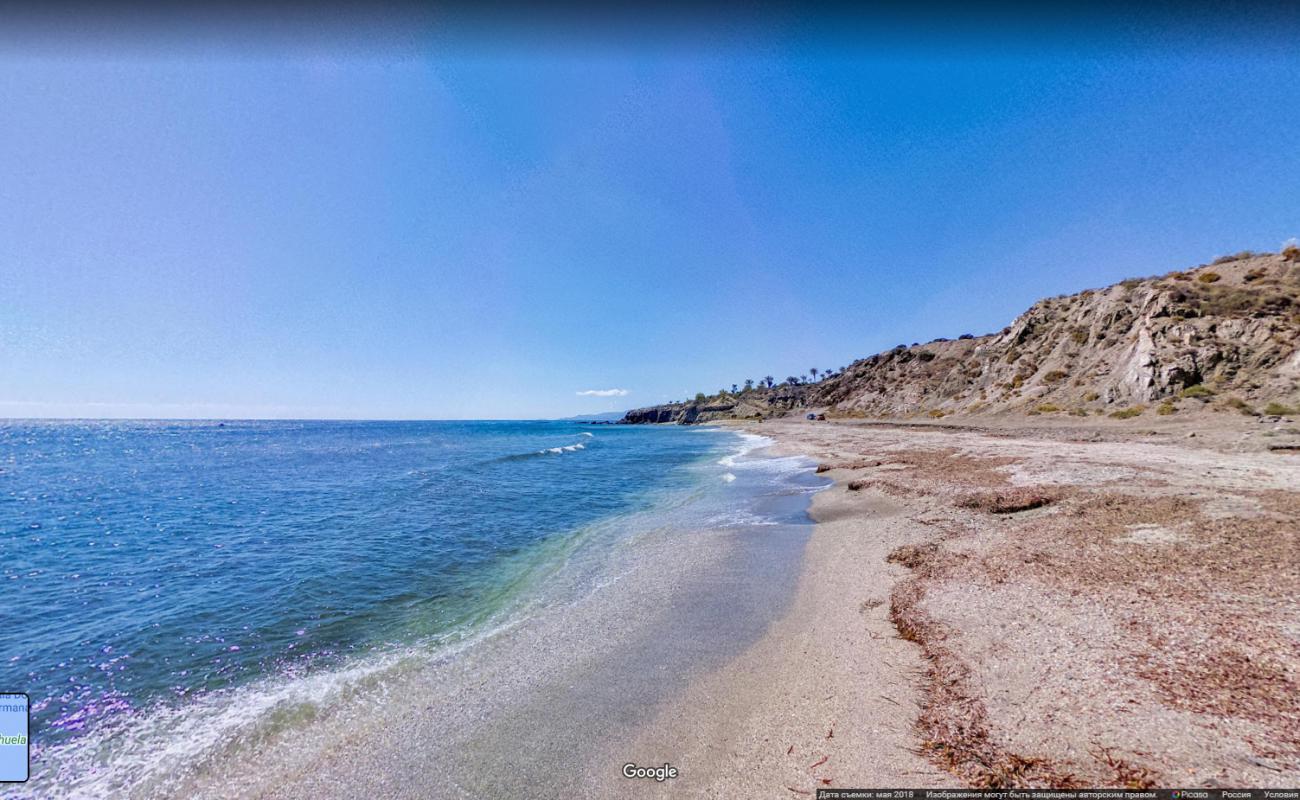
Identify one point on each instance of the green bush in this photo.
(1128, 413)
(1209, 277)
(1241, 405)
(1165, 409)
(1279, 410)
(1048, 408)
(1197, 391)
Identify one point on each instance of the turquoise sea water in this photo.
(150, 568)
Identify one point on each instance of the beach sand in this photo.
(1057, 605)
(828, 697)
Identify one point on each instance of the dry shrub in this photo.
(1209, 277)
(1241, 405)
(1021, 498)
(1128, 413)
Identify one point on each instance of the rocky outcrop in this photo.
(751, 404)
(1228, 329)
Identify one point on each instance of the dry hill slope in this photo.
(1223, 336)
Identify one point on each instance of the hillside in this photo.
(1221, 336)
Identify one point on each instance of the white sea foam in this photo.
(150, 747)
(729, 477)
(749, 442)
(157, 747)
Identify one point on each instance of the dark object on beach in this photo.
(854, 486)
(812, 416)
(913, 555)
(1008, 501)
(824, 468)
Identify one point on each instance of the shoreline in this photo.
(826, 698)
(917, 634)
(545, 703)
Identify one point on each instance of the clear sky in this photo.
(447, 226)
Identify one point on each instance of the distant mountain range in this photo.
(603, 416)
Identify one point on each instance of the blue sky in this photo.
(448, 229)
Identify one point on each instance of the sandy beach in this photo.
(1015, 606)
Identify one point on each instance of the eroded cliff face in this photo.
(1224, 330)
(1230, 328)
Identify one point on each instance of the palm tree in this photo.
(769, 380)
(735, 389)
(749, 384)
(814, 373)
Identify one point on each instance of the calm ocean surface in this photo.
(152, 568)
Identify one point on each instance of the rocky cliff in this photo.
(1222, 335)
(749, 404)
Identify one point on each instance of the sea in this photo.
(171, 587)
